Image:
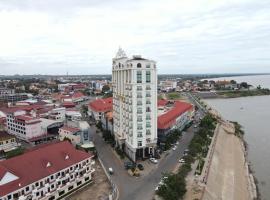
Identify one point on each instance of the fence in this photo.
(115, 193)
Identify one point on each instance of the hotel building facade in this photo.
(134, 82)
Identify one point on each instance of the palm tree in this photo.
(199, 157)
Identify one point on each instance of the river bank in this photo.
(226, 94)
(226, 173)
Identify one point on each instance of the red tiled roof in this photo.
(68, 104)
(168, 119)
(162, 102)
(70, 129)
(102, 105)
(32, 166)
(77, 95)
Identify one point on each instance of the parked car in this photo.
(182, 160)
(153, 160)
(186, 150)
(140, 167)
(174, 148)
(129, 165)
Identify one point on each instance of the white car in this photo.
(156, 189)
(177, 143)
(174, 148)
(182, 160)
(153, 160)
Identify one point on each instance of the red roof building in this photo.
(69, 129)
(49, 170)
(162, 102)
(101, 105)
(168, 119)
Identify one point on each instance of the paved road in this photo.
(142, 188)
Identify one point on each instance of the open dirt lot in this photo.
(98, 190)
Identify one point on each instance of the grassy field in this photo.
(174, 95)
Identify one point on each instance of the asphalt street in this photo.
(142, 188)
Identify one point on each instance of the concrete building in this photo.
(23, 126)
(4, 90)
(168, 85)
(134, 84)
(7, 142)
(46, 173)
(58, 114)
(71, 133)
(15, 97)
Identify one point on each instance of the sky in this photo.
(182, 36)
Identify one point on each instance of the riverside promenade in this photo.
(226, 175)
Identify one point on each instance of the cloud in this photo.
(183, 36)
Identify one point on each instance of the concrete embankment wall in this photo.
(228, 177)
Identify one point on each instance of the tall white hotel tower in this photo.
(135, 104)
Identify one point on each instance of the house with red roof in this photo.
(47, 172)
(98, 108)
(175, 114)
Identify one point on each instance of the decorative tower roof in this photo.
(120, 53)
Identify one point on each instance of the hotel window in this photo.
(139, 143)
(139, 88)
(148, 66)
(139, 135)
(139, 103)
(139, 127)
(139, 65)
(148, 132)
(139, 76)
(148, 76)
(139, 95)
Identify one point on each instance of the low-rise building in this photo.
(73, 134)
(173, 115)
(58, 114)
(99, 107)
(7, 142)
(46, 173)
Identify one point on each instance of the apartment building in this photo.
(134, 82)
(45, 173)
(23, 126)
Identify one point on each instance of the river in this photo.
(253, 113)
